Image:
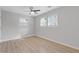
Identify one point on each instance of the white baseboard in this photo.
(43, 38)
(16, 38)
(58, 42)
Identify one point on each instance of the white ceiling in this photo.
(25, 9)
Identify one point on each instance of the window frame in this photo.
(56, 21)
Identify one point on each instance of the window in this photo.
(43, 22)
(23, 21)
(49, 21)
(52, 20)
(23, 26)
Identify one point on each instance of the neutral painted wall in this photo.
(0, 23)
(11, 28)
(67, 31)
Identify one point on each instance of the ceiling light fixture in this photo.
(32, 13)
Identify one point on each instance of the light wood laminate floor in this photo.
(33, 45)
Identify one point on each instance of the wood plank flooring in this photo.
(33, 45)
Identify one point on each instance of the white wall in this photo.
(0, 23)
(67, 31)
(11, 28)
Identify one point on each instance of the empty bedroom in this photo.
(39, 29)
